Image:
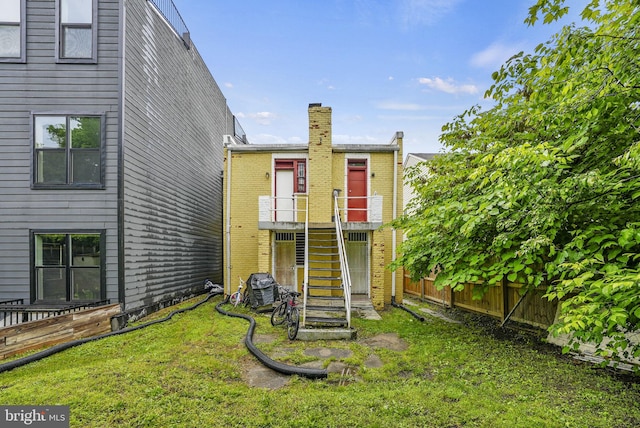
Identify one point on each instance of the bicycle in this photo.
(287, 312)
(238, 297)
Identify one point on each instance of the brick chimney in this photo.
(320, 164)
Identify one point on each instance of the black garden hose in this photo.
(418, 316)
(264, 359)
(67, 345)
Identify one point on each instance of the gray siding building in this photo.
(111, 134)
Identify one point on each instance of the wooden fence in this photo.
(57, 329)
(499, 302)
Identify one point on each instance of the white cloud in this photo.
(495, 55)
(266, 139)
(393, 105)
(425, 12)
(262, 117)
(228, 85)
(449, 85)
(353, 139)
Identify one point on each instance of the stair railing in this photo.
(305, 282)
(344, 265)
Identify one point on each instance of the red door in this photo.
(357, 190)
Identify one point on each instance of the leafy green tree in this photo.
(544, 188)
(85, 133)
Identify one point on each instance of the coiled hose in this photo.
(274, 365)
(418, 316)
(264, 359)
(67, 345)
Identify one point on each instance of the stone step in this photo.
(326, 334)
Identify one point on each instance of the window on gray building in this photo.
(12, 17)
(68, 151)
(68, 266)
(77, 32)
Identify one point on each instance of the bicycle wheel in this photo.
(279, 314)
(294, 324)
(235, 298)
(246, 299)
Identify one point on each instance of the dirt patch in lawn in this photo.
(260, 376)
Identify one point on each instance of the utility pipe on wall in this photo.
(228, 221)
(393, 216)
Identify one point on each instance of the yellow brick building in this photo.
(281, 217)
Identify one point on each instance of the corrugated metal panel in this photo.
(176, 117)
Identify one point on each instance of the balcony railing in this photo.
(14, 311)
(282, 209)
(169, 11)
(293, 209)
(350, 206)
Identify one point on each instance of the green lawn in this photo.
(190, 371)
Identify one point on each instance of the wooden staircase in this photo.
(325, 292)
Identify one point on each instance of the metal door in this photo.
(357, 249)
(357, 190)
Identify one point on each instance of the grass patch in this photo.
(191, 371)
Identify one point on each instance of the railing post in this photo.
(344, 266)
(305, 281)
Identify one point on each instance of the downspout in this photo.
(120, 210)
(228, 221)
(393, 216)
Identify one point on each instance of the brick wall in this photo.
(249, 180)
(320, 163)
(252, 249)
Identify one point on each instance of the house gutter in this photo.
(120, 208)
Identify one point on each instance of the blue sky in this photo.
(382, 65)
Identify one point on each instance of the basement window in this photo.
(68, 266)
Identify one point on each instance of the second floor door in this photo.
(357, 190)
(284, 195)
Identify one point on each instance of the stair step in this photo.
(325, 269)
(332, 298)
(325, 278)
(325, 308)
(323, 320)
(324, 287)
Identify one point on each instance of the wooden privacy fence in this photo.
(499, 302)
(56, 329)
